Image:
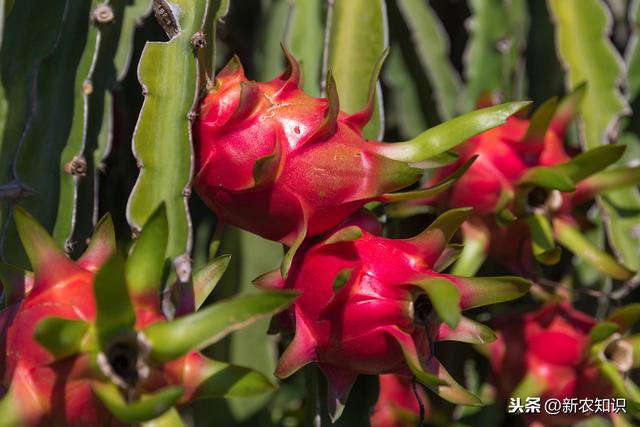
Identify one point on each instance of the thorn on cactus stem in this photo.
(87, 87)
(76, 167)
(103, 14)
(125, 361)
(198, 40)
(68, 246)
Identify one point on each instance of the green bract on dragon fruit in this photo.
(87, 343)
(282, 164)
(372, 305)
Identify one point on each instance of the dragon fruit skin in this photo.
(364, 308)
(397, 404)
(548, 350)
(40, 387)
(503, 180)
(284, 165)
(312, 163)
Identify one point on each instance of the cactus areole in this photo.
(371, 305)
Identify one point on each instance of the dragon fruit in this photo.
(372, 305)
(524, 188)
(284, 165)
(558, 352)
(86, 343)
(398, 404)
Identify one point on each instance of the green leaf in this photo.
(145, 265)
(468, 331)
(571, 238)
(170, 418)
(41, 250)
(346, 234)
(133, 15)
(621, 385)
(612, 179)
(446, 136)
(10, 416)
(306, 38)
(170, 340)
(625, 317)
(453, 392)
(342, 278)
(61, 337)
(602, 331)
(474, 253)
(206, 279)
(634, 340)
(221, 379)
(357, 38)
(591, 161)
(147, 408)
(413, 359)
(479, 291)
(433, 241)
(547, 177)
(102, 245)
(445, 298)
(540, 121)
(542, 241)
(167, 71)
(451, 253)
(530, 385)
(432, 47)
(114, 312)
(434, 190)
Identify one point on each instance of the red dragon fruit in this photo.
(558, 352)
(372, 305)
(284, 165)
(524, 188)
(85, 343)
(397, 404)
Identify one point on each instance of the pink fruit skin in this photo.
(357, 326)
(397, 404)
(549, 345)
(59, 393)
(321, 172)
(503, 157)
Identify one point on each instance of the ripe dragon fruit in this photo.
(397, 404)
(284, 165)
(86, 343)
(558, 352)
(524, 188)
(372, 305)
